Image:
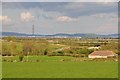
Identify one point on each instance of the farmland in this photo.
(55, 46)
(53, 67)
(57, 58)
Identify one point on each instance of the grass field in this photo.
(53, 68)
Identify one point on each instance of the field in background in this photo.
(12, 46)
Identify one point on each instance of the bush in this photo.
(60, 53)
(4, 60)
(21, 58)
(45, 52)
(86, 51)
(37, 60)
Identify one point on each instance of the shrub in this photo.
(37, 60)
(45, 52)
(86, 51)
(21, 58)
(60, 53)
(4, 60)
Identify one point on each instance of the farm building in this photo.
(102, 54)
(94, 47)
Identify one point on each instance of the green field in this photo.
(57, 58)
(52, 67)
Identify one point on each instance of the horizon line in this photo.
(59, 33)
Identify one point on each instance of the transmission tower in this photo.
(33, 29)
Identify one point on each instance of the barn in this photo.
(102, 54)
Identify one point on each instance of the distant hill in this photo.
(61, 35)
(13, 34)
(17, 34)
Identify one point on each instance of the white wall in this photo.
(90, 56)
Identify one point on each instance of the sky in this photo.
(60, 17)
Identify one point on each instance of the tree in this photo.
(21, 57)
(46, 52)
(6, 49)
(27, 48)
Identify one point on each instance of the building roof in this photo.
(103, 53)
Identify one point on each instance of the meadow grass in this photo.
(53, 68)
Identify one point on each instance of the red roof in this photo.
(103, 53)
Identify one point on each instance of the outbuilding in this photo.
(102, 54)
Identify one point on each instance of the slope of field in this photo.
(60, 69)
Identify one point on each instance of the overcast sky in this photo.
(60, 17)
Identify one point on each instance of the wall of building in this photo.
(91, 56)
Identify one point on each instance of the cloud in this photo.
(26, 17)
(106, 1)
(72, 6)
(85, 9)
(5, 19)
(72, 9)
(65, 19)
(105, 15)
(100, 15)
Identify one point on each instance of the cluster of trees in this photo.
(75, 52)
(29, 47)
(24, 48)
(11, 49)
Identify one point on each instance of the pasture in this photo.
(56, 58)
(53, 67)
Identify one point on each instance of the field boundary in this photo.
(60, 79)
